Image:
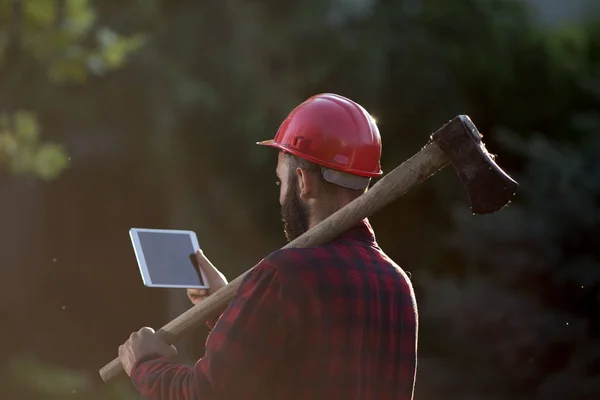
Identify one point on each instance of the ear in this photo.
(307, 184)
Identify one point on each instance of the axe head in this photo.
(488, 187)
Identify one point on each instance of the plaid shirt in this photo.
(332, 322)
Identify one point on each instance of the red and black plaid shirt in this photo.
(334, 322)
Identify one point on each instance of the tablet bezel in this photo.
(139, 255)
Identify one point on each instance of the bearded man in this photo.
(335, 322)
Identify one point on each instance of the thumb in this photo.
(167, 351)
(205, 263)
(214, 277)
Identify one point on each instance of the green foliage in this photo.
(65, 40)
(113, 50)
(40, 380)
(22, 151)
(68, 42)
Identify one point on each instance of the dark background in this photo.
(144, 113)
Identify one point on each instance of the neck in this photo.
(315, 220)
(319, 212)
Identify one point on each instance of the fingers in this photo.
(198, 292)
(197, 295)
(142, 332)
(145, 330)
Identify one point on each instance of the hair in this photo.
(330, 189)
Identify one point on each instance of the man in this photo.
(337, 321)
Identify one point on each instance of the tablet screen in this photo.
(170, 259)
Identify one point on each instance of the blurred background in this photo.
(144, 113)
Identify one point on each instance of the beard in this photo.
(294, 214)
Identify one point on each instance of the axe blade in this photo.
(488, 187)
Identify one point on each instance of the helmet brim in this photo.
(274, 144)
(269, 142)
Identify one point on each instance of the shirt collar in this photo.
(361, 232)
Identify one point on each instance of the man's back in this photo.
(335, 322)
(357, 335)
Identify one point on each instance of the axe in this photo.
(458, 142)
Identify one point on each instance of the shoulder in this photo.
(295, 256)
(292, 262)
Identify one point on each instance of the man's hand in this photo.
(140, 344)
(216, 280)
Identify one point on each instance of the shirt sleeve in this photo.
(245, 346)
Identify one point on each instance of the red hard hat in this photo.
(334, 132)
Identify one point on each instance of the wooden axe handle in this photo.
(413, 171)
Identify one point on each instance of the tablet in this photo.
(167, 258)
